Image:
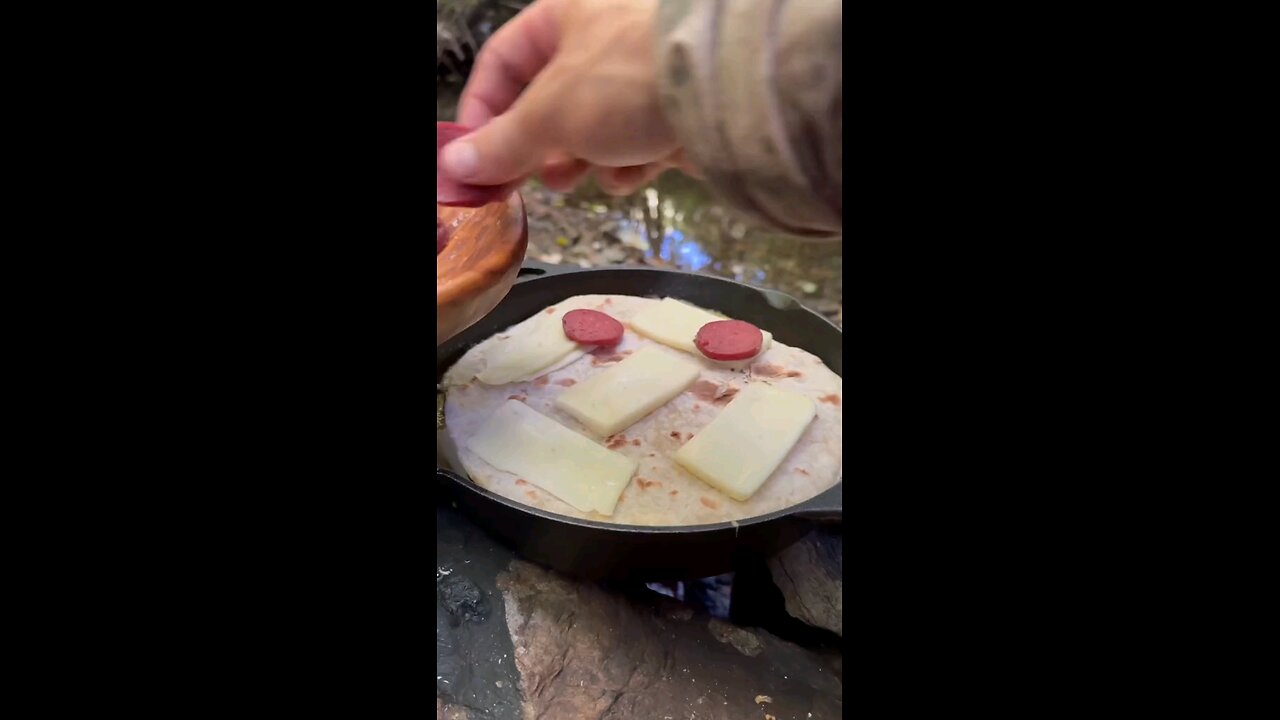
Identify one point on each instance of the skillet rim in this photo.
(826, 504)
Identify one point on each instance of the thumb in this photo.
(506, 149)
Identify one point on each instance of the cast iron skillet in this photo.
(629, 552)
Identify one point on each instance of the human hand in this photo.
(565, 87)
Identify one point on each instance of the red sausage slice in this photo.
(592, 327)
(451, 192)
(729, 340)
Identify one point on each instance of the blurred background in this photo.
(674, 222)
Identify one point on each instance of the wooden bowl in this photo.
(480, 263)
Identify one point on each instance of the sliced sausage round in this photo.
(592, 327)
(452, 192)
(729, 340)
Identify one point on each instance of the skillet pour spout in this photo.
(597, 550)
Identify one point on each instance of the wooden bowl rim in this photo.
(493, 265)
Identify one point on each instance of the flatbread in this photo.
(661, 493)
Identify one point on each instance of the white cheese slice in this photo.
(527, 351)
(560, 364)
(676, 324)
(618, 397)
(520, 440)
(742, 447)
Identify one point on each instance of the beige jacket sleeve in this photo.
(754, 91)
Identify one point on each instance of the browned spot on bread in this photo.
(773, 370)
(832, 399)
(542, 380)
(767, 370)
(521, 398)
(802, 471)
(597, 360)
(607, 301)
(531, 494)
(651, 454)
(697, 407)
(521, 481)
(635, 441)
(646, 484)
(550, 310)
(712, 392)
(567, 382)
(705, 390)
(675, 492)
(708, 502)
(675, 434)
(616, 441)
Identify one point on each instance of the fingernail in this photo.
(460, 159)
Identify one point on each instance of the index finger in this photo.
(509, 61)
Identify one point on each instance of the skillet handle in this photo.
(531, 268)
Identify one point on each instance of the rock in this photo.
(516, 641)
(681, 612)
(590, 654)
(473, 648)
(809, 575)
(744, 640)
(450, 712)
(461, 598)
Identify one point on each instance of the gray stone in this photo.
(590, 654)
(473, 647)
(515, 641)
(809, 575)
(445, 711)
(745, 641)
(462, 598)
